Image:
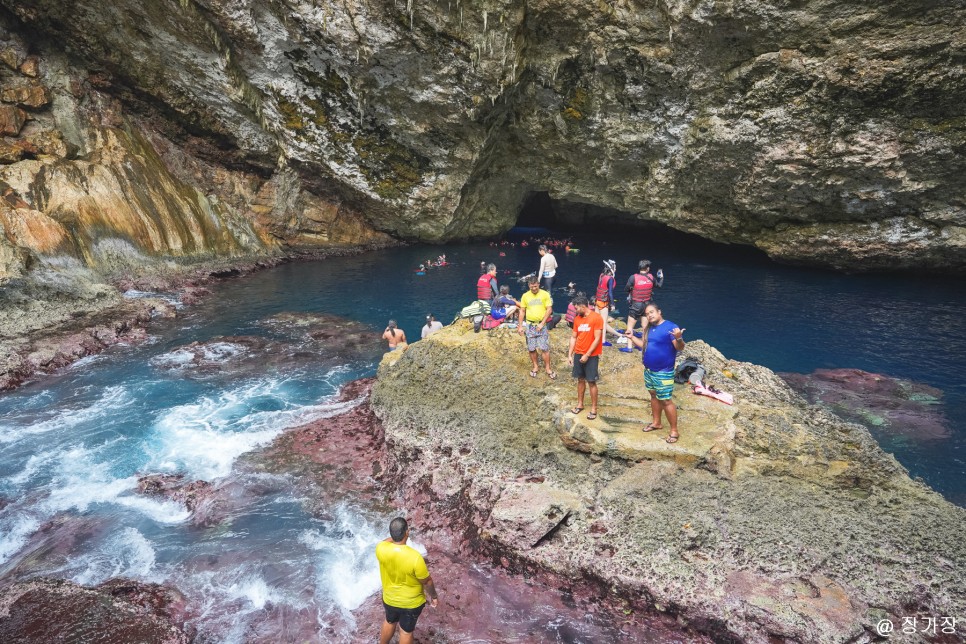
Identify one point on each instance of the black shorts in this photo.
(405, 616)
(636, 309)
(586, 371)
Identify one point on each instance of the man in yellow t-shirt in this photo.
(406, 583)
(536, 309)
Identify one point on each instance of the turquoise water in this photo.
(71, 446)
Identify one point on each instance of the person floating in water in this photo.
(394, 336)
(661, 341)
(406, 583)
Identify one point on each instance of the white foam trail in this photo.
(347, 568)
(112, 399)
(80, 483)
(126, 554)
(185, 357)
(14, 533)
(204, 438)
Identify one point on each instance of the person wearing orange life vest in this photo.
(604, 298)
(640, 287)
(486, 287)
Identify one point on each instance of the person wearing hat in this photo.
(431, 326)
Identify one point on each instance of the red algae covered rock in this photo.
(879, 402)
(42, 611)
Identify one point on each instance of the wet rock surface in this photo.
(792, 523)
(46, 610)
(881, 403)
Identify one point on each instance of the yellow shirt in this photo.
(536, 305)
(401, 568)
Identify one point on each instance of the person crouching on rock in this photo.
(586, 344)
(395, 337)
(661, 340)
(406, 583)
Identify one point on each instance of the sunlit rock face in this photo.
(821, 131)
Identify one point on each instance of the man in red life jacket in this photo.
(640, 287)
(486, 288)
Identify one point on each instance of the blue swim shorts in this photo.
(661, 382)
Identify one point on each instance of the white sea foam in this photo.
(111, 400)
(186, 357)
(87, 360)
(79, 482)
(126, 554)
(205, 437)
(14, 532)
(346, 568)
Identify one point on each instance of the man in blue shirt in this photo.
(661, 342)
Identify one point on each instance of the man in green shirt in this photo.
(536, 309)
(406, 583)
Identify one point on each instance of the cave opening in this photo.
(598, 223)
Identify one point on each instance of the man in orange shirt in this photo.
(586, 344)
(406, 583)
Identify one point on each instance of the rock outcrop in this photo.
(822, 131)
(771, 518)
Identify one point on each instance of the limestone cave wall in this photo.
(821, 131)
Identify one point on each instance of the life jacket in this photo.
(483, 289)
(643, 287)
(571, 313)
(603, 293)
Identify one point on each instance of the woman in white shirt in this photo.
(548, 269)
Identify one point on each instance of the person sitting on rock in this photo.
(394, 336)
(486, 286)
(505, 305)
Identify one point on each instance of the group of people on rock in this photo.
(659, 340)
(407, 584)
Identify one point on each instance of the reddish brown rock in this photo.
(45, 142)
(32, 95)
(11, 120)
(10, 153)
(30, 67)
(10, 57)
(880, 402)
(47, 610)
(197, 496)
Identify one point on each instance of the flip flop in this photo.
(651, 427)
(672, 439)
(533, 374)
(591, 415)
(552, 375)
(626, 350)
(576, 410)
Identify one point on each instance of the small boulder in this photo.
(33, 95)
(12, 119)
(527, 514)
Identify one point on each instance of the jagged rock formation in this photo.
(769, 520)
(820, 131)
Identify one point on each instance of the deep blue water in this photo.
(72, 445)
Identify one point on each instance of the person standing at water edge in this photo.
(604, 298)
(406, 583)
(585, 343)
(536, 309)
(548, 269)
(661, 340)
(431, 326)
(640, 288)
(394, 336)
